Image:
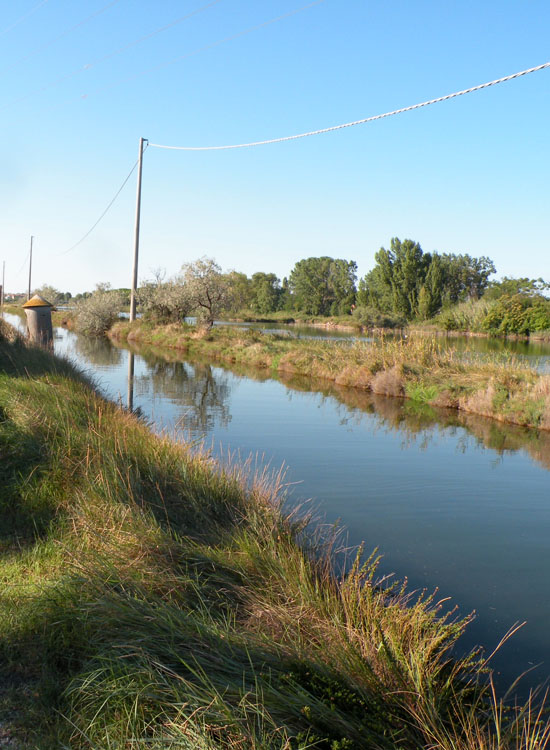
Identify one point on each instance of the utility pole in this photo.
(142, 141)
(30, 270)
(3, 287)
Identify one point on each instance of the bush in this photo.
(164, 302)
(97, 313)
(466, 316)
(373, 318)
(518, 313)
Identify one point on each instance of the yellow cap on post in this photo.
(37, 301)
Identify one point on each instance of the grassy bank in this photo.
(418, 368)
(151, 600)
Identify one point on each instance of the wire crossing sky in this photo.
(364, 120)
(467, 177)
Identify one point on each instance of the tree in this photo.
(395, 282)
(410, 282)
(323, 286)
(164, 301)
(209, 290)
(241, 290)
(266, 292)
(511, 286)
(465, 277)
(50, 293)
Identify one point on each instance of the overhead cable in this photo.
(28, 14)
(175, 60)
(118, 192)
(358, 122)
(88, 66)
(63, 34)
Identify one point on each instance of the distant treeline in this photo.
(406, 284)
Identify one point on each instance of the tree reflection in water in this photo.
(97, 351)
(194, 386)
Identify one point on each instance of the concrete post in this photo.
(39, 321)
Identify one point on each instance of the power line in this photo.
(88, 66)
(63, 34)
(359, 122)
(118, 192)
(23, 18)
(206, 47)
(22, 265)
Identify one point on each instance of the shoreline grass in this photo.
(418, 368)
(152, 600)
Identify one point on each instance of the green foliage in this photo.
(164, 301)
(97, 313)
(466, 316)
(51, 294)
(370, 317)
(519, 314)
(240, 289)
(510, 286)
(266, 292)
(323, 286)
(208, 290)
(412, 283)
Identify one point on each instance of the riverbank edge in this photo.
(169, 601)
(415, 368)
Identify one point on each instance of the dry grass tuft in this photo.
(389, 382)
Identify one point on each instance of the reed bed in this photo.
(153, 600)
(417, 367)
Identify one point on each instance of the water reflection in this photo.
(203, 394)
(96, 350)
(205, 391)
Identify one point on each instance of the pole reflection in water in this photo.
(130, 397)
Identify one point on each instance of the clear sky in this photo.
(82, 80)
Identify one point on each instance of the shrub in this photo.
(518, 313)
(97, 313)
(373, 318)
(164, 302)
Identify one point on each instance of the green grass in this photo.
(152, 600)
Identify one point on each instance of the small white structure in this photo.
(39, 320)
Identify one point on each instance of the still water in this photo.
(451, 501)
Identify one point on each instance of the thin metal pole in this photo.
(30, 270)
(3, 287)
(136, 233)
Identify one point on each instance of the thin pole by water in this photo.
(30, 270)
(136, 233)
(3, 287)
(130, 399)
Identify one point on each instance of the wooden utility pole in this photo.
(142, 141)
(30, 270)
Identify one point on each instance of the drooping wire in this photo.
(217, 43)
(118, 192)
(359, 122)
(20, 20)
(63, 34)
(23, 264)
(88, 66)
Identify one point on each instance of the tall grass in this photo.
(418, 367)
(159, 601)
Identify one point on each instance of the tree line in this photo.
(406, 284)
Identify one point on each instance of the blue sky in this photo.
(79, 89)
